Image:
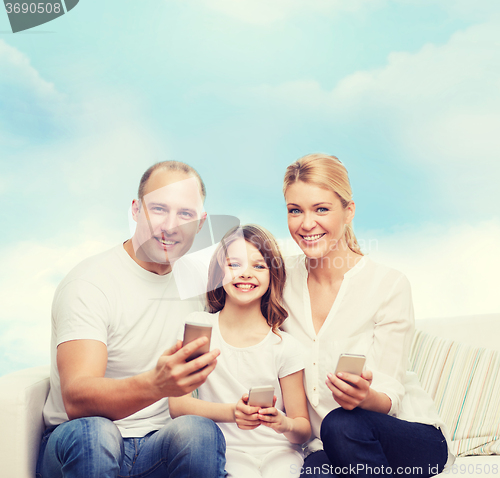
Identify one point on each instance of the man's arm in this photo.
(86, 392)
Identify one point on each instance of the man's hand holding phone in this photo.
(174, 377)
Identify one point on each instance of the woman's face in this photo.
(316, 219)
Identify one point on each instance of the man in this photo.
(113, 316)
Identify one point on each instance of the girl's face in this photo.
(246, 276)
(316, 219)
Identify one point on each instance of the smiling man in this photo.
(113, 317)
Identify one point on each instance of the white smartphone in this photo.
(193, 331)
(262, 397)
(350, 363)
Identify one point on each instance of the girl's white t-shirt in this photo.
(239, 369)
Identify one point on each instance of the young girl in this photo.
(246, 281)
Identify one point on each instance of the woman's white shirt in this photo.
(372, 315)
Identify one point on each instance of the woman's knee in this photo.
(339, 423)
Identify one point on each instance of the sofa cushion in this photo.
(464, 382)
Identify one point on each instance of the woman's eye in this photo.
(294, 211)
(322, 209)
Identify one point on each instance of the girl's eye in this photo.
(233, 265)
(260, 266)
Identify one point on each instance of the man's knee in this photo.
(196, 433)
(96, 433)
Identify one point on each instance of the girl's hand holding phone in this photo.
(272, 418)
(245, 416)
(350, 390)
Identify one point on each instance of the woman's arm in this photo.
(383, 390)
(295, 424)
(187, 405)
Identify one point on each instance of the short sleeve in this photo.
(81, 311)
(292, 356)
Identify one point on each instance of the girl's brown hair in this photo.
(326, 172)
(271, 302)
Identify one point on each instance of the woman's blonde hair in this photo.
(326, 172)
(271, 302)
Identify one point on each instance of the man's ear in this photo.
(202, 221)
(135, 209)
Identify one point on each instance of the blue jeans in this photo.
(370, 444)
(188, 446)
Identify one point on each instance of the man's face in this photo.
(170, 216)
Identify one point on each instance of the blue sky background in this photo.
(405, 92)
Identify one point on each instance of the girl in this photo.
(246, 280)
(339, 301)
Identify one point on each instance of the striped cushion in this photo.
(464, 382)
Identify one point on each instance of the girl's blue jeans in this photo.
(188, 446)
(366, 444)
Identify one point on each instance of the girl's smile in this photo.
(246, 276)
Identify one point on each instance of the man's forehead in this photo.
(173, 187)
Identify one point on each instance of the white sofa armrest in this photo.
(22, 397)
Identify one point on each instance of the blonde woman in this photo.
(340, 301)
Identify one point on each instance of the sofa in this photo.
(457, 360)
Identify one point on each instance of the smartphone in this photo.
(193, 331)
(262, 397)
(350, 363)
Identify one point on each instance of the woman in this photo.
(339, 301)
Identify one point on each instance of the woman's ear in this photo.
(350, 211)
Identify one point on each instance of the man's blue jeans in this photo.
(367, 444)
(188, 446)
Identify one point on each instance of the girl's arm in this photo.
(187, 405)
(295, 424)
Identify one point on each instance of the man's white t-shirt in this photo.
(134, 312)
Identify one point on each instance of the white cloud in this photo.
(439, 107)
(453, 271)
(31, 273)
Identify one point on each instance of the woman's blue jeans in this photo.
(188, 446)
(363, 444)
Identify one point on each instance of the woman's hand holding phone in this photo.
(245, 416)
(350, 390)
